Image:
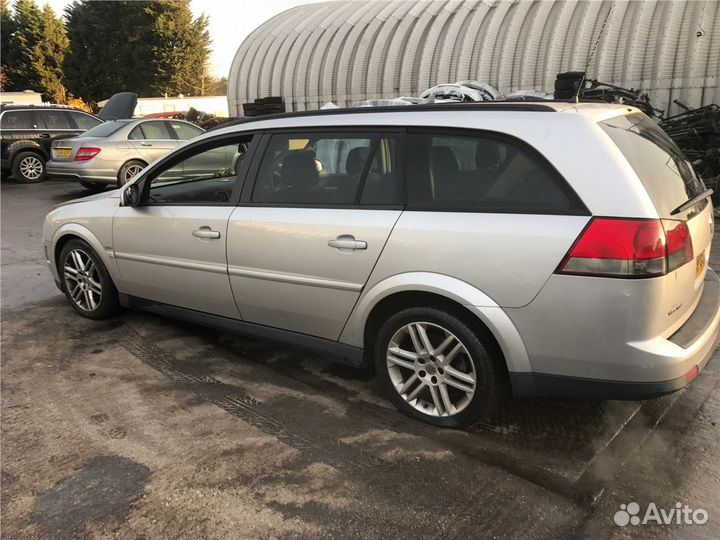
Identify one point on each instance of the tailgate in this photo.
(670, 181)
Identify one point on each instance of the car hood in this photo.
(112, 194)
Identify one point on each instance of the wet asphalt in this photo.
(144, 427)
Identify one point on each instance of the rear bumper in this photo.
(70, 170)
(684, 354)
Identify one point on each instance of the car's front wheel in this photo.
(28, 167)
(86, 282)
(436, 368)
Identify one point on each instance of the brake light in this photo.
(679, 243)
(86, 153)
(629, 248)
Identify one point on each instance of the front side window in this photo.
(184, 131)
(85, 121)
(17, 120)
(329, 169)
(206, 176)
(482, 173)
(53, 119)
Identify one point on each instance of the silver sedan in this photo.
(115, 151)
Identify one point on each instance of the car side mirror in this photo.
(130, 195)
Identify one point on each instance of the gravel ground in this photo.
(144, 427)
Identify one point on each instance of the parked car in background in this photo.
(559, 248)
(27, 132)
(113, 152)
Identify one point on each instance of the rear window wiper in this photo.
(692, 202)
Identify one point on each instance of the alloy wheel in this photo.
(131, 171)
(82, 280)
(31, 167)
(431, 369)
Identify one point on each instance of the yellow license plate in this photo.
(699, 264)
(63, 152)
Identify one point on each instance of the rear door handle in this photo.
(206, 232)
(44, 135)
(145, 144)
(347, 241)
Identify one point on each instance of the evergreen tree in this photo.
(49, 55)
(19, 55)
(147, 47)
(7, 34)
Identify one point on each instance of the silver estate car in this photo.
(546, 248)
(115, 151)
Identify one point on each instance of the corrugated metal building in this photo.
(345, 51)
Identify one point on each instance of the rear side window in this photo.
(17, 120)
(53, 120)
(185, 131)
(329, 169)
(483, 173)
(85, 121)
(150, 130)
(662, 168)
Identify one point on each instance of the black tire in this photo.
(486, 365)
(124, 170)
(93, 186)
(570, 75)
(28, 167)
(108, 303)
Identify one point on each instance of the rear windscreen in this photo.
(666, 174)
(104, 130)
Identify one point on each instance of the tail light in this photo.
(630, 248)
(86, 153)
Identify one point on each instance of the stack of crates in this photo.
(263, 106)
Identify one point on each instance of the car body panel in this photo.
(280, 263)
(171, 265)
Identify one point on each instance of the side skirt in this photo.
(333, 350)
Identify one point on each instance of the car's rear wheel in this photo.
(93, 186)
(130, 169)
(86, 282)
(436, 368)
(29, 167)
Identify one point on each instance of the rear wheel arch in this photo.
(26, 146)
(393, 303)
(121, 171)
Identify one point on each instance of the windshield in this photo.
(105, 129)
(666, 174)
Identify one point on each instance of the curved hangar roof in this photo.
(344, 51)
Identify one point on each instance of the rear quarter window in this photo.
(483, 172)
(668, 177)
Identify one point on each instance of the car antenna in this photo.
(576, 97)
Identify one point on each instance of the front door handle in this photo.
(206, 232)
(347, 241)
(145, 144)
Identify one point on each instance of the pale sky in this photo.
(231, 21)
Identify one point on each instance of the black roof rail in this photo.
(524, 106)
